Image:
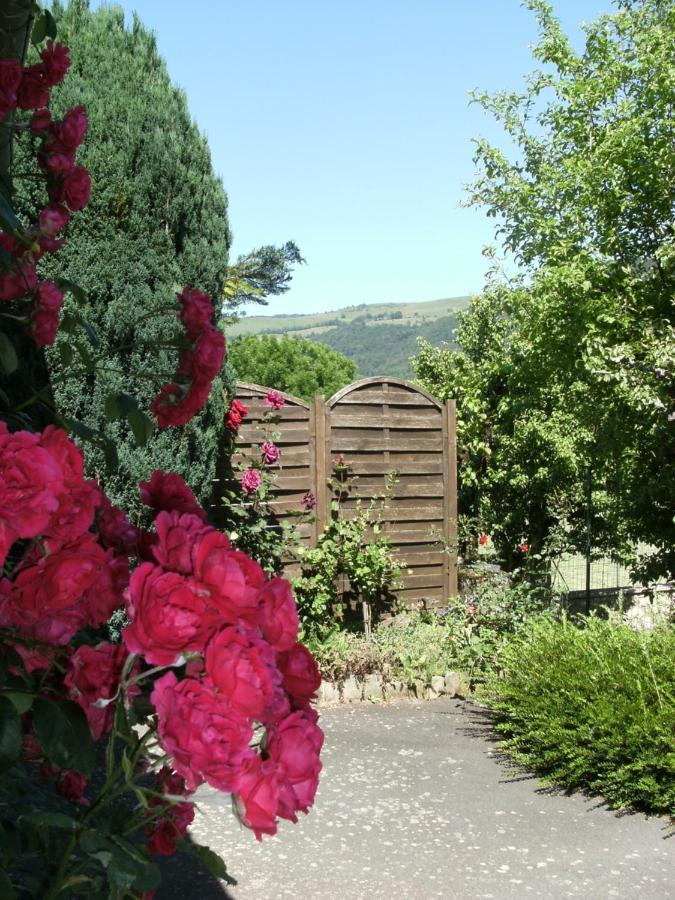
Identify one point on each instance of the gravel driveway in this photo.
(414, 802)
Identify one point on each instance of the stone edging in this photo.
(374, 688)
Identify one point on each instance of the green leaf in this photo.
(44, 819)
(78, 293)
(141, 426)
(66, 354)
(39, 29)
(110, 456)
(7, 892)
(8, 218)
(212, 863)
(64, 734)
(10, 734)
(112, 407)
(51, 25)
(8, 358)
(21, 699)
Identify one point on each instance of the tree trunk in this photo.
(16, 17)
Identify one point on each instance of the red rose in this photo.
(244, 668)
(169, 615)
(78, 503)
(207, 740)
(168, 491)
(114, 528)
(10, 79)
(196, 311)
(176, 405)
(301, 676)
(18, 281)
(278, 614)
(59, 161)
(45, 600)
(75, 189)
(31, 483)
(523, 547)
(258, 798)
(93, 674)
(41, 120)
(295, 746)
(71, 785)
(176, 537)
(163, 834)
(235, 415)
(72, 129)
(46, 313)
(52, 219)
(34, 88)
(234, 578)
(55, 62)
(483, 539)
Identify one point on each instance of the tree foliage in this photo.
(298, 366)
(568, 367)
(157, 221)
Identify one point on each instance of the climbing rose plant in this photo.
(102, 744)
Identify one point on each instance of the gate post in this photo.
(320, 473)
(450, 494)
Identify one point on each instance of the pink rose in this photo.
(309, 501)
(46, 313)
(169, 613)
(207, 740)
(244, 668)
(294, 746)
(258, 798)
(176, 537)
(94, 674)
(301, 676)
(31, 484)
(270, 452)
(234, 578)
(251, 480)
(77, 506)
(75, 189)
(278, 614)
(18, 281)
(274, 399)
(168, 491)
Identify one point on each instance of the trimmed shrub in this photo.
(592, 707)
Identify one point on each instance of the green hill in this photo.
(379, 337)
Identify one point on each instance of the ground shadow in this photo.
(184, 878)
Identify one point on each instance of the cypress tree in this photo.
(157, 220)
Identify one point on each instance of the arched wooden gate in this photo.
(381, 425)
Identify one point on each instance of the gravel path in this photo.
(415, 803)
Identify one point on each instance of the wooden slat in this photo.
(426, 557)
(391, 419)
(396, 397)
(248, 434)
(344, 442)
(432, 580)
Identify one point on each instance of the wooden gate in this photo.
(381, 425)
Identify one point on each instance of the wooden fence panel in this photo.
(381, 425)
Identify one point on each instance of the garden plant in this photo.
(102, 744)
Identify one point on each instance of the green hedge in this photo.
(593, 708)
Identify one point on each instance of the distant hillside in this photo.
(379, 337)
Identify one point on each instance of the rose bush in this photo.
(209, 666)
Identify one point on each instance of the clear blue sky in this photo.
(345, 126)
